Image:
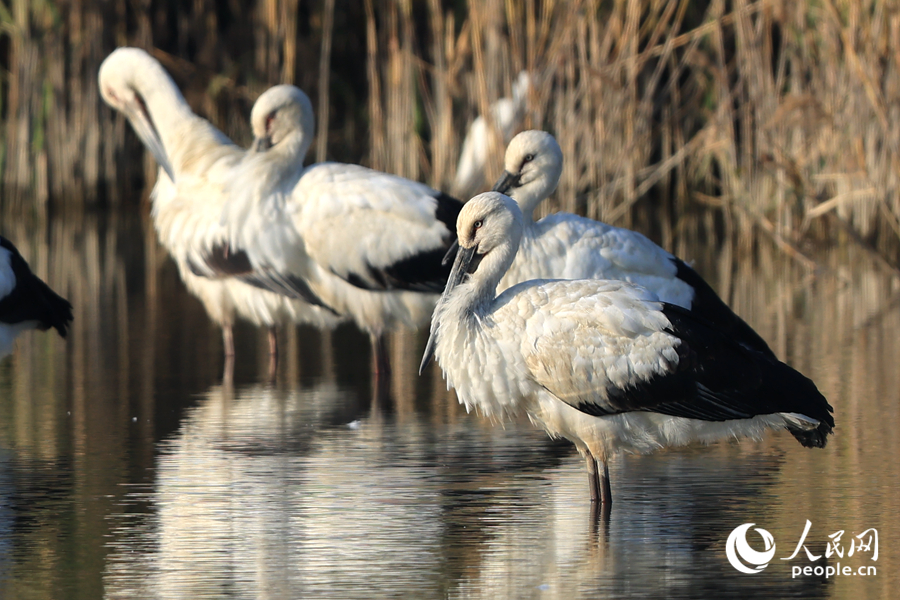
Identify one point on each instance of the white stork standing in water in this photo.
(367, 244)
(602, 363)
(197, 166)
(567, 246)
(26, 302)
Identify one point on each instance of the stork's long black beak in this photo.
(506, 182)
(465, 260)
(461, 267)
(429, 352)
(451, 252)
(146, 130)
(261, 144)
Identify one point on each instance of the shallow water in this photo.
(131, 468)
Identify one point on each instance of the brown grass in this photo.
(776, 114)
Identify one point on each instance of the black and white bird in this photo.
(367, 244)
(26, 302)
(602, 363)
(197, 167)
(567, 246)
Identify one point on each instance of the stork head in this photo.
(487, 221)
(123, 76)
(533, 165)
(282, 112)
(489, 229)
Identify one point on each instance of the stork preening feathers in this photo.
(197, 167)
(367, 244)
(259, 235)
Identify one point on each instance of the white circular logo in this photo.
(739, 551)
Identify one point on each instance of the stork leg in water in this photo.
(398, 227)
(198, 167)
(228, 340)
(381, 370)
(381, 365)
(601, 494)
(547, 346)
(598, 480)
(228, 371)
(273, 353)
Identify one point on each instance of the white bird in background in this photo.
(602, 363)
(567, 246)
(197, 165)
(367, 244)
(26, 302)
(506, 114)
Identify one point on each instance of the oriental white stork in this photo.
(26, 302)
(567, 246)
(506, 115)
(367, 244)
(602, 363)
(197, 166)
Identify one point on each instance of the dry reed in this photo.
(775, 114)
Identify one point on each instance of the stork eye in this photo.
(478, 224)
(528, 158)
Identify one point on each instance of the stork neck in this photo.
(481, 288)
(529, 197)
(188, 141)
(165, 103)
(293, 148)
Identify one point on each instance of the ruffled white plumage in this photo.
(334, 226)
(353, 217)
(335, 222)
(566, 246)
(187, 211)
(601, 362)
(546, 346)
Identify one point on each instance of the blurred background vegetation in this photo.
(767, 116)
(754, 138)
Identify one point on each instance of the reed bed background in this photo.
(765, 116)
(764, 120)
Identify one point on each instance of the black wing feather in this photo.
(32, 299)
(285, 285)
(423, 272)
(707, 303)
(718, 379)
(224, 261)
